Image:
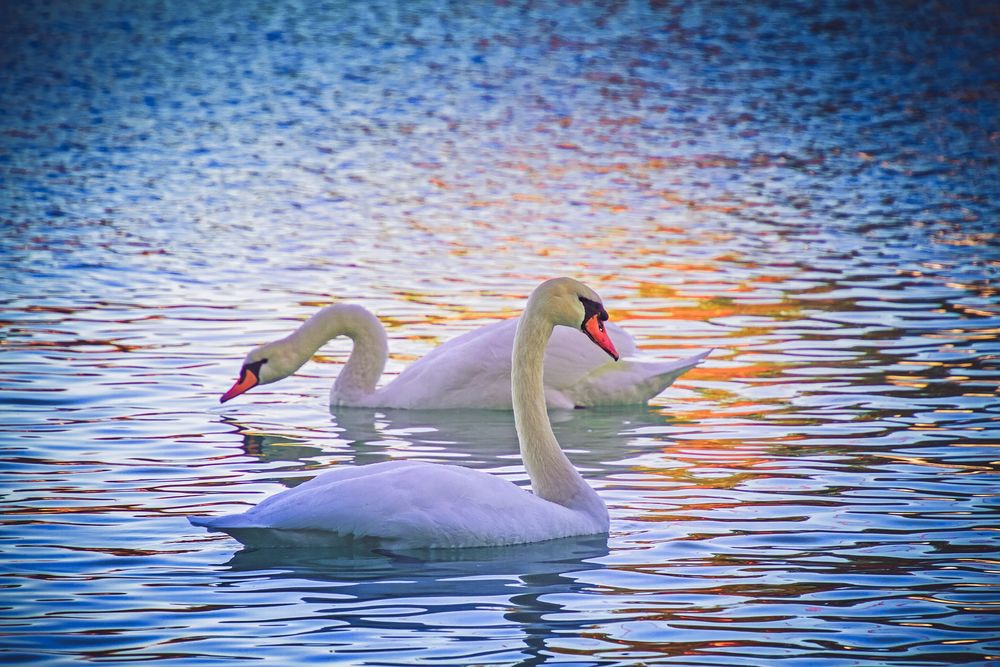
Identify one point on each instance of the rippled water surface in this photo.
(812, 189)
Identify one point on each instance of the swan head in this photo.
(263, 365)
(570, 303)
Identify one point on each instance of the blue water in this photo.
(813, 189)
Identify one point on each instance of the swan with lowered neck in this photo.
(470, 371)
(409, 504)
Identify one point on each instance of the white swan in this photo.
(470, 371)
(408, 504)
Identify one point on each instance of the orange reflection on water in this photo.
(724, 307)
(731, 451)
(734, 373)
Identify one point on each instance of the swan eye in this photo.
(254, 367)
(593, 309)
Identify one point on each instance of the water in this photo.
(811, 189)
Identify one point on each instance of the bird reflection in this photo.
(518, 582)
(469, 437)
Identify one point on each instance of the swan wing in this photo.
(469, 371)
(412, 504)
(473, 370)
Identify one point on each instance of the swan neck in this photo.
(368, 355)
(552, 475)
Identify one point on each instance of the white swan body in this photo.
(469, 371)
(408, 504)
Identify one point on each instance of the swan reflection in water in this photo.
(345, 593)
(479, 438)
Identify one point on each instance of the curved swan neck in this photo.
(552, 475)
(364, 367)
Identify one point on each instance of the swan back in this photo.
(408, 504)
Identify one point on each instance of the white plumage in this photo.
(408, 504)
(469, 371)
(405, 504)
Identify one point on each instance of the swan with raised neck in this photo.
(554, 302)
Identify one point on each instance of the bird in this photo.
(420, 505)
(469, 371)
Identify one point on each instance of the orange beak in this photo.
(248, 380)
(594, 328)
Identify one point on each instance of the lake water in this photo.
(812, 189)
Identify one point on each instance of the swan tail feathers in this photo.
(634, 381)
(223, 523)
(663, 375)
